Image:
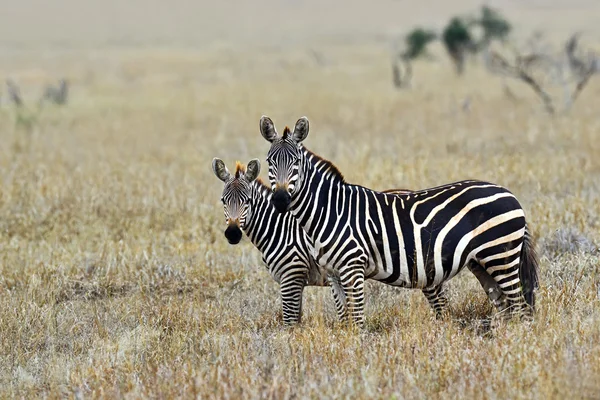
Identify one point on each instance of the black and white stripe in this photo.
(417, 240)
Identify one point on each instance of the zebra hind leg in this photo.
(436, 296)
(489, 285)
(291, 300)
(506, 274)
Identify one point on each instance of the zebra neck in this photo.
(319, 194)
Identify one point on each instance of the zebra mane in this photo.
(262, 187)
(325, 166)
(239, 169)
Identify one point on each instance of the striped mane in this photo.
(325, 166)
(262, 187)
(239, 169)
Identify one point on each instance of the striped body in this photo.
(417, 240)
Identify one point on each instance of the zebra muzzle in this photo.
(281, 200)
(233, 233)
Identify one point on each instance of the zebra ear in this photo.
(267, 128)
(220, 169)
(300, 130)
(253, 169)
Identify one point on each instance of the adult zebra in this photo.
(418, 240)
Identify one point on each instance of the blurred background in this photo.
(70, 23)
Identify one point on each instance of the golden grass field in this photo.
(115, 277)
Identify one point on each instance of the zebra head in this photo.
(236, 195)
(285, 159)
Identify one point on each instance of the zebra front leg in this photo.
(352, 279)
(436, 296)
(291, 300)
(339, 297)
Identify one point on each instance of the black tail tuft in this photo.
(528, 271)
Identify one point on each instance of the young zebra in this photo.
(418, 240)
(285, 247)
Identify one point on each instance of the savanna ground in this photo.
(116, 279)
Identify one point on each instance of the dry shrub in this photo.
(567, 240)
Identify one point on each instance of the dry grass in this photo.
(116, 280)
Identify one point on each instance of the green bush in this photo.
(494, 25)
(416, 43)
(456, 35)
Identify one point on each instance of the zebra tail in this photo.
(528, 271)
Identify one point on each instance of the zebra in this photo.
(286, 249)
(416, 240)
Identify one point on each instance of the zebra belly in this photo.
(333, 254)
(402, 281)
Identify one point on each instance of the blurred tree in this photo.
(416, 43)
(415, 46)
(56, 94)
(458, 41)
(494, 25)
(14, 93)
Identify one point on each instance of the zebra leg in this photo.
(506, 276)
(436, 297)
(291, 300)
(352, 279)
(339, 297)
(489, 285)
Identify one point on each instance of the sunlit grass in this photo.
(115, 277)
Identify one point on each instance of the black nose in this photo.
(233, 234)
(281, 200)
